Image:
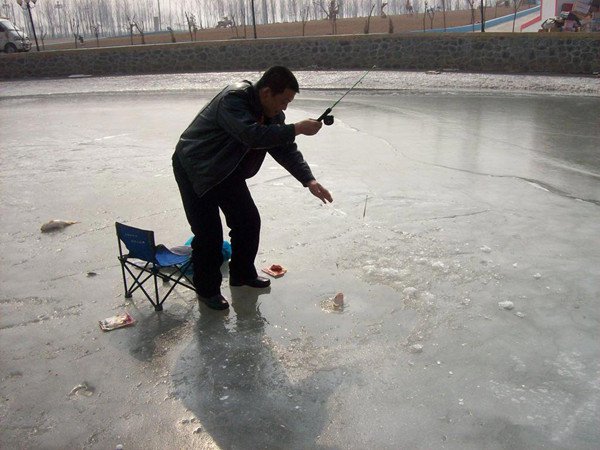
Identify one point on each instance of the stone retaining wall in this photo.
(559, 53)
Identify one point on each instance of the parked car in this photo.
(12, 39)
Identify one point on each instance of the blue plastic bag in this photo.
(226, 248)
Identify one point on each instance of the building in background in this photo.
(569, 15)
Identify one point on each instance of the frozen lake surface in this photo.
(463, 233)
(376, 80)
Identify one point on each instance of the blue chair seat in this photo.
(166, 257)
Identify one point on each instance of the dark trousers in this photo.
(233, 198)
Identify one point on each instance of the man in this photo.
(225, 145)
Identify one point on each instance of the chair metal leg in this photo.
(149, 270)
(136, 283)
(127, 293)
(158, 305)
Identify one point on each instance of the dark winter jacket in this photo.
(230, 134)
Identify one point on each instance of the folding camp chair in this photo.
(151, 261)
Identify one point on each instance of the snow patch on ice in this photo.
(415, 348)
(507, 304)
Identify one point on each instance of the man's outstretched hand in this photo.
(319, 191)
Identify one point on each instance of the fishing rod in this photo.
(328, 118)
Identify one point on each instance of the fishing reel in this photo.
(326, 118)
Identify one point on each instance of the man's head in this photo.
(276, 88)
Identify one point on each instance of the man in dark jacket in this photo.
(225, 145)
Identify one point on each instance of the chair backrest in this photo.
(140, 243)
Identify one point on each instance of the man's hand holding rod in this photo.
(308, 127)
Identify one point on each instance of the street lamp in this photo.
(58, 6)
(28, 6)
(159, 19)
(253, 18)
(482, 17)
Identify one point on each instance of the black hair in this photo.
(278, 79)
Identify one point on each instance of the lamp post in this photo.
(253, 19)
(58, 6)
(28, 6)
(482, 17)
(159, 19)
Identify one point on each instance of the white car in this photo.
(12, 39)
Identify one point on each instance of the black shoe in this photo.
(217, 302)
(258, 282)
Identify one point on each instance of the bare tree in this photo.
(331, 13)
(516, 4)
(216, 12)
(107, 17)
(131, 26)
(304, 15)
(368, 22)
(273, 8)
(192, 25)
(234, 25)
(47, 10)
(472, 8)
(96, 30)
(143, 13)
(431, 15)
(334, 10)
(74, 23)
(382, 12)
(86, 13)
(112, 14)
(390, 26)
(292, 9)
(236, 10)
(42, 33)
